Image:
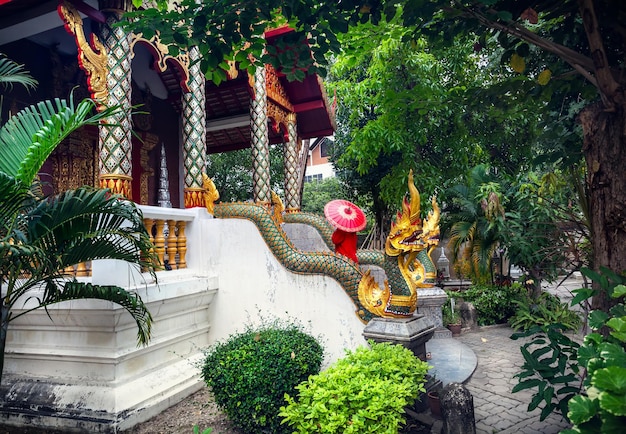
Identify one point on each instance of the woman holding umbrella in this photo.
(348, 219)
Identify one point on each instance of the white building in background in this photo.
(318, 166)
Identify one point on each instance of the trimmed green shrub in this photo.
(250, 373)
(494, 304)
(364, 392)
(547, 309)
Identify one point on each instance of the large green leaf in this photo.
(619, 291)
(614, 403)
(619, 328)
(612, 424)
(86, 224)
(28, 138)
(14, 73)
(611, 378)
(613, 354)
(597, 318)
(581, 409)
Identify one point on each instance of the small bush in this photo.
(250, 373)
(364, 392)
(450, 315)
(494, 304)
(547, 309)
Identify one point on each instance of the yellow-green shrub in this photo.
(364, 392)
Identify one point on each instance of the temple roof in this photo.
(227, 105)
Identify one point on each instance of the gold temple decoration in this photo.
(209, 193)
(278, 115)
(181, 243)
(148, 143)
(424, 236)
(74, 162)
(275, 90)
(92, 58)
(118, 184)
(278, 206)
(409, 244)
(194, 197)
(161, 55)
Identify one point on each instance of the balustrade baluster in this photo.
(82, 270)
(172, 247)
(159, 241)
(149, 224)
(181, 244)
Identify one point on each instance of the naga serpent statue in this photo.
(406, 259)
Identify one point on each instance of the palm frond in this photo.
(14, 197)
(28, 138)
(13, 73)
(87, 224)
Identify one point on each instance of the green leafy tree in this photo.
(403, 104)
(232, 173)
(317, 194)
(544, 231)
(41, 236)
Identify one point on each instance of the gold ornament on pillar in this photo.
(118, 184)
(92, 60)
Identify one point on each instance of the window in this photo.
(323, 149)
(310, 178)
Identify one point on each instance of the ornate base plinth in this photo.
(429, 304)
(412, 332)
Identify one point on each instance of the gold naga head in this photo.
(209, 193)
(278, 206)
(409, 233)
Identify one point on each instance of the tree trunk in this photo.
(604, 147)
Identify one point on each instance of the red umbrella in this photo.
(345, 215)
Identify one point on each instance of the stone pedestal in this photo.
(429, 303)
(412, 332)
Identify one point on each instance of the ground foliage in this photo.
(585, 382)
(494, 304)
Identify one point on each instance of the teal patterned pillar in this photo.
(292, 189)
(260, 140)
(194, 133)
(115, 143)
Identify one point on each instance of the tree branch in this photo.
(609, 88)
(581, 63)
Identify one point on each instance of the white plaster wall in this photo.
(326, 169)
(254, 285)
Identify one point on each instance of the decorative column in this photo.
(260, 140)
(115, 141)
(292, 196)
(164, 183)
(194, 133)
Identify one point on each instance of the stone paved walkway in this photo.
(496, 409)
